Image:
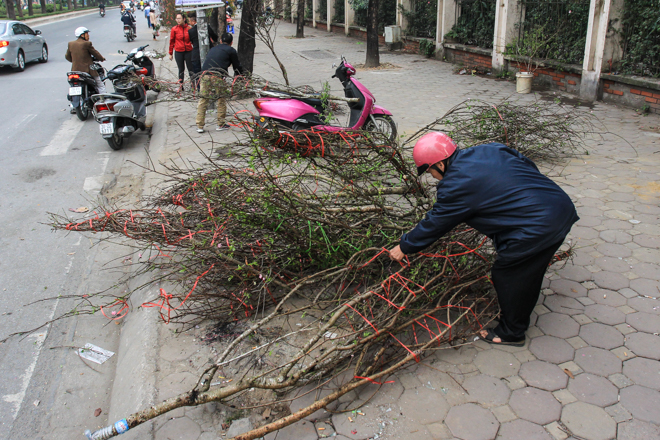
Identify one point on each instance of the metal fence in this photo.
(562, 24)
(640, 38)
(475, 23)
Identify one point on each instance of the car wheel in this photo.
(44, 54)
(20, 60)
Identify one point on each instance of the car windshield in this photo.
(3, 28)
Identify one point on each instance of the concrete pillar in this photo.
(331, 13)
(613, 49)
(507, 14)
(315, 6)
(203, 34)
(400, 18)
(294, 10)
(446, 20)
(599, 11)
(349, 16)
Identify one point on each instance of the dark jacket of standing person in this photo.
(194, 40)
(502, 194)
(79, 54)
(221, 57)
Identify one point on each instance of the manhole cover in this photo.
(315, 54)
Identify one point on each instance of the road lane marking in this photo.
(95, 183)
(63, 138)
(16, 400)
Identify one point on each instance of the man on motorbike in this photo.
(128, 19)
(79, 53)
(212, 84)
(102, 7)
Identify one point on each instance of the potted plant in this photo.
(528, 52)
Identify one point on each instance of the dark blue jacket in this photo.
(502, 194)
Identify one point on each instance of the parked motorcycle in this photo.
(299, 114)
(128, 33)
(82, 86)
(121, 113)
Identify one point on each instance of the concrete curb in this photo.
(60, 17)
(134, 387)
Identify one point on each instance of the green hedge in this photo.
(640, 38)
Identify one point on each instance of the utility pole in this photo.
(203, 33)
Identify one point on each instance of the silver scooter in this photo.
(121, 113)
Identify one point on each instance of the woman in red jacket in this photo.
(180, 42)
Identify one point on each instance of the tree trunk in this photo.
(30, 8)
(61, 6)
(75, 4)
(19, 6)
(11, 12)
(222, 22)
(68, 4)
(300, 20)
(43, 6)
(246, 38)
(373, 57)
(214, 25)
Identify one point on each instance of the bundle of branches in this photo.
(232, 88)
(291, 223)
(543, 132)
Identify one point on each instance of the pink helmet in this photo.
(432, 148)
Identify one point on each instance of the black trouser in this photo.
(180, 58)
(518, 285)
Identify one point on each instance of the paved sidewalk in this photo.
(590, 368)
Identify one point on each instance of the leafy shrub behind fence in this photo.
(339, 11)
(323, 9)
(564, 23)
(476, 24)
(422, 18)
(386, 13)
(640, 39)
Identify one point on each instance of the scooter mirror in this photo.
(334, 65)
(139, 54)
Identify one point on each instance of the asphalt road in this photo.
(50, 162)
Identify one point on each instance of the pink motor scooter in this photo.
(306, 113)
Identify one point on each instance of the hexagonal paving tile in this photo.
(647, 270)
(601, 336)
(559, 325)
(642, 402)
(594, 389)
(644, 286)
(568, 288)
(497, 363)
(643, 344)
(423, 405)
(612, 264)
(644, 322)
(605, 314)
(644, 372)
(646, 255)
(523, 430)
(535, 405)
(487, 390)
(574, 272)
(611, 280)
(462, 355)
(552, 349)
(647, 241)
(307, 398)
(618, 237)
(299, 431)
(607, 297)
(588, 421)
(472, 422)
(563, 304)
(598, 361)
(646, 305)
(636, 430)
(543, 375)
(614, 250)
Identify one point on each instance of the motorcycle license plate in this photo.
(108, 128)
(75, 91)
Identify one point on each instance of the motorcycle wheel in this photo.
(82, 111)
(384, 124)
(116, 141)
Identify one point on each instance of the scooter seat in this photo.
(314, 102)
